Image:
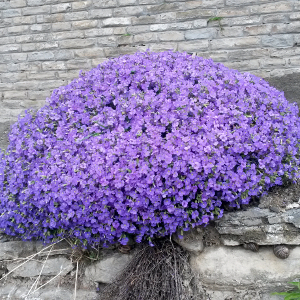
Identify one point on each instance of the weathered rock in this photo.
(15, 249)
(191, 241)
(22, 289)
(61, 248)
(234, 271)
(58, 293)
(49, 267)
(107, 268)
(53, 293)
(260, 226)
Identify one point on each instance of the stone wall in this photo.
(224, 269)
(44, 43)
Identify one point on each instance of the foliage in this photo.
(144, 145)
(291, 295)
(214, 19)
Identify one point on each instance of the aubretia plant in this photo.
(142, 146)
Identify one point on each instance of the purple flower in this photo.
(117, 153)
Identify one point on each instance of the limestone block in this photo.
(101, 13)
(59, 293)
(171, 36)
(277, 41)
(15, 249)
(235, 43)
(191, 241)
(227, 269)
(117, 21)
(108, 268)
(9, 13)
(45, 9)
(49, 267)
(17, 3)
(74, 16)
(207, 33)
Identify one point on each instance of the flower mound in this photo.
(142, 146)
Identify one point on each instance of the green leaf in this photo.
(297, 284)
(214, 19)
(289, 295)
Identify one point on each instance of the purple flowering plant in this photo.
(142, 146)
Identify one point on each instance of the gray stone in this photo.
(138, 29)
(17, 3)
(236, 270)
(80, 5)
(235, 43)
(45, 46)
(127, 2)
(54, 293)
(261, 226)
(74, 16)
(108, 268)
(77, 43)
(171, 36)
(47, 55)
(49, 267)
(191, 241)
(89, 53)
(242, 21)
(40, 2)
(9, 13)
(208, 33)
(237, 2)
(61, 7)
(195, 14)
(24, 20)
(145, 37)
(45, 9)
(193, 46)
(116, 21)
(292, 216)
(18, 29)
(68, 35)
(278, 41)
(99, 32)
(283, 6)
(84, 24)
(61, 248)
(15, 249)
(144, 20)
(128, 11)
(276, 18)
(7, 290)
(61, 26)
(101, 13)
(40, 27)
(105, 3)
(168, 17)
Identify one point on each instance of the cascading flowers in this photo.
(144, 145)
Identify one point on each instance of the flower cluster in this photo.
(142, 146)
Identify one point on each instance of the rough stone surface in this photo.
(49, 267)
(15, 249)
(108, 268)
(236, 273)
(4, 129)
(260, 226)
(13, 292)
(289, 84)
(191, 241)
